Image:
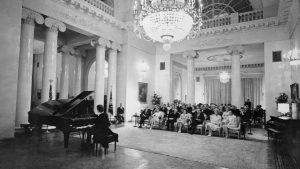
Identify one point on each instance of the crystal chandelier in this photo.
(224, 77)
(167, 21)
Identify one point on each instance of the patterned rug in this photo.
(229, 153)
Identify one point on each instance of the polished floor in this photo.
(33, 151)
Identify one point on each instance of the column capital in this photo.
(66, 50)
(30, 16)
(115, 46)
(190, 54)
(79, 53)
(55, 25)
(235, 50)
(101, 42)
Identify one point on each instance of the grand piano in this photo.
(66, 115)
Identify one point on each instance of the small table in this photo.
(135, 119)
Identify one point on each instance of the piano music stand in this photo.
(47, 131)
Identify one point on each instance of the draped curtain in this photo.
(219, 93)
(252, 90)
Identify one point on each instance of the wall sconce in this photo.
(293, 56)
(143, 67)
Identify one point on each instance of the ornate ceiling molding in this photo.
(93, 11)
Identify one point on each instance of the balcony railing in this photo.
(211, 23)
(251, 16)
(233, 18)
(102, 6)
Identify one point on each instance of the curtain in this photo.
(219, 93)
(252, 90)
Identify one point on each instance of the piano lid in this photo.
(56, 107)
(74, 102)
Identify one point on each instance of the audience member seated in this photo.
(189, 109)
(183, 120)
(156, 118)
(120, 114)
(235, 111)
(215, 122)
(101, 130)
(225, 115)
(207, 111)
(231, 121)
(258, 114)
(145, 114)
(198, 118)
(246, 115)
(171, 118)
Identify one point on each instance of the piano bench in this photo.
(110, 139)
(274, 132)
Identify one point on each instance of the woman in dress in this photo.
(184, 119)
(230, 123)
(215, 122)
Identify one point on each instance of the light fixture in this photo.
(167, 21)
(224, 77)
(293, 56)
(143, 67)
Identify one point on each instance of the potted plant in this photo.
(156, 99)
(282, 98)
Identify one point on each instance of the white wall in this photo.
(277, 75)
(134, 51)
(135, 57)
(163, 78)
(10, 28)
(199, 89)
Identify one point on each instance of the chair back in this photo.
(239, 122)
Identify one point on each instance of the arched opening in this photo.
(92, 77)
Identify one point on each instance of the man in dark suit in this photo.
(120, 114)
(198, 118)
(207, 111)
(248, 103)
(143, 117)
(171, 118)
(101, 129)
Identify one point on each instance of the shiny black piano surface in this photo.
(67, 115)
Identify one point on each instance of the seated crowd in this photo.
(202, 116)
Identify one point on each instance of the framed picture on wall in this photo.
(143, 89)
(294, 91)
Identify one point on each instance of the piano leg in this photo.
(66, 139)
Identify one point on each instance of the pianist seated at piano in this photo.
(101, 130)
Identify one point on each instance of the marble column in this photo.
(112, 74)
(236, 83)
(50, 54)
(78, 72)
(25, 65)
(100, 45)
(190, 55)
(64, 79)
